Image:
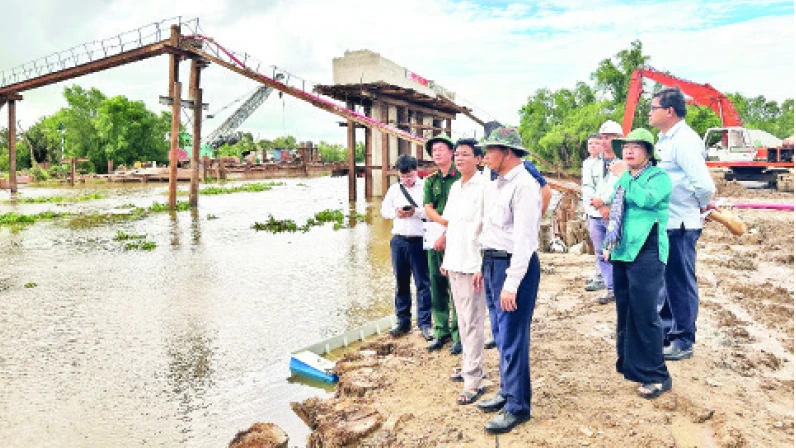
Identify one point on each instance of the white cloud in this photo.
(494, 57)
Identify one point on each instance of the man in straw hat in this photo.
(510, 273)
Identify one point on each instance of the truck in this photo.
(747, 154)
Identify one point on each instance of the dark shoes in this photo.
(673, 352)
(505, 421)
(493, 404)
(595, 286)
(398, 331)
(607, 298)
(438, 343)
(456, 348)
(490, 343)
(428, 333)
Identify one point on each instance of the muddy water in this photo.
(185, 344)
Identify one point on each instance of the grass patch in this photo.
(337, 217)
(12, 218)
(140, 245)
(245, 188)
(58, 199)
(121, 235)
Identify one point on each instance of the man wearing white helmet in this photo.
(603, 186)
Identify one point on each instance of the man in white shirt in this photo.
(590, 173)
(681, 154)
(601, 202)
(462, 218)
(408, 257)
(510, 273)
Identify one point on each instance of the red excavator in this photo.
(749, 154)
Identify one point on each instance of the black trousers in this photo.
(639, 331)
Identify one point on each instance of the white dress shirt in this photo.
(395, 199)
(512, 215)
(464, 212)
(681, 155)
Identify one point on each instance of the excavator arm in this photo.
(701, 94)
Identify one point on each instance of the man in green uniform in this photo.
(436, 190)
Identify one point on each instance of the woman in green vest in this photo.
(637, 245)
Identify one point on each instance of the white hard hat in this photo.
(611, 127)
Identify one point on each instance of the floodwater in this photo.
(186, 344)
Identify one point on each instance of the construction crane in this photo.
(749, 154)
(219, 136)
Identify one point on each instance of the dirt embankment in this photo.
(736, 391)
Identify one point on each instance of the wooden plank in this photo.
(12, 146)
(352, 158)
(397, 102)
(420, 126)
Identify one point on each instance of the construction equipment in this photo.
(221, 135)
(748, 154)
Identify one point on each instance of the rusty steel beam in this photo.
(195, 94)
(312, 99)
(127, 57)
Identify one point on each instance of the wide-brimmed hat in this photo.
(439, 138)
(506, 137)
(639, 135)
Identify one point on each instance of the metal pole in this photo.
(196, 96)
(175, 144)
(12, 146)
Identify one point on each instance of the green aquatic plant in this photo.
(59, 199)
(30, 285)
(121, 235)
(211, 217)
(336, 217)
(140, 245)
(19, 218)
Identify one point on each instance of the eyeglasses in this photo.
(658, 107)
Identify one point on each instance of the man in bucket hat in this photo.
(435, 197)
(510, 272)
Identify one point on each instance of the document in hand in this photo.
(431, 233)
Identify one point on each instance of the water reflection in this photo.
(187, 343)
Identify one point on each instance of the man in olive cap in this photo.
(435, 197)
(510, 272)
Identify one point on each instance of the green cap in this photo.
(439, 138)
(506, 137)
(639, 135)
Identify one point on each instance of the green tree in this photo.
(332, 152)
(129, 132)
(612, 76)
(80, 136)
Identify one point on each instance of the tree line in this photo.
(556, 123)
(553, 123)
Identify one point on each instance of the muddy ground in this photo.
(736, 391)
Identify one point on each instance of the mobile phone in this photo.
(407, 208)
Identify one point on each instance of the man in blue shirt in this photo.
(681, 150)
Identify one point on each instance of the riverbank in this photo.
(736, 391)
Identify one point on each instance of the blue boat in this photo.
(310, 365)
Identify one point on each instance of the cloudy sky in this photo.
(493, 54)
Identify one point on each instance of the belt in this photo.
(492, 253)
(409, 238)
